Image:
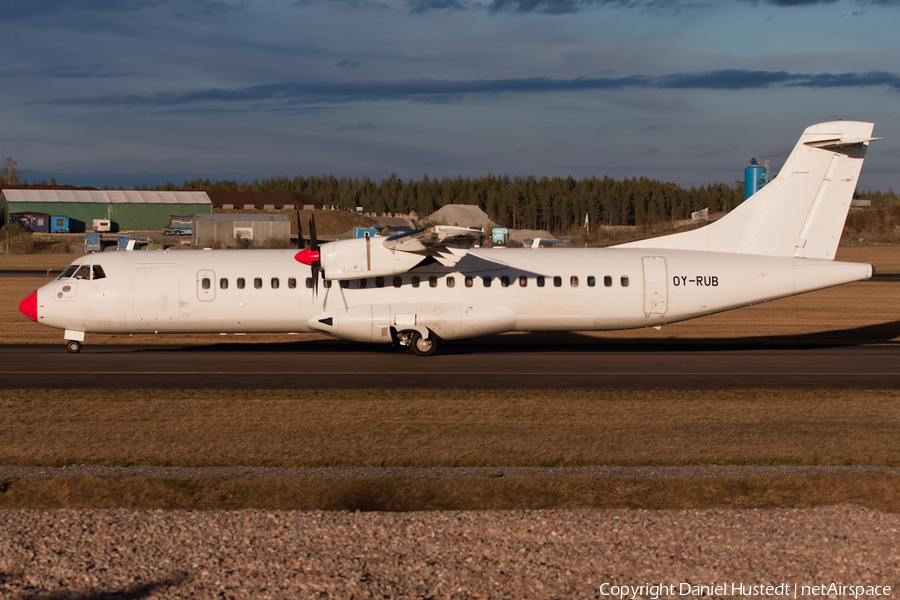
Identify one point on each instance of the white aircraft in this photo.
(433, 285)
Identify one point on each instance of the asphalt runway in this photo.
(862, 358)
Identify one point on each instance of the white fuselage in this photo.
(489, 291)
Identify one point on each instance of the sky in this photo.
(130, 92)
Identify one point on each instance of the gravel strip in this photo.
(13, 471)
(516, 554)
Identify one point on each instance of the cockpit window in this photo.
(68, 272)
(98, 272)
(83, 272)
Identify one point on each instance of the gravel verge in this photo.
(513, 554)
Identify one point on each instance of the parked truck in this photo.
(179, 225)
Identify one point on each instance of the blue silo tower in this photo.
(755, 176)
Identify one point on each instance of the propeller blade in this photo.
(313, 240)
(310, 256)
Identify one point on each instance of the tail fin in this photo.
(801, 212)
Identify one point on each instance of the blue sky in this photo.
(110, 92)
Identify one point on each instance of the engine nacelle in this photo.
(364, 257)
(449, 321)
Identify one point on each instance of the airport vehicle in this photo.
(419, 288)
(179, 225)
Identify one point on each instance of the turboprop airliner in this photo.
(434, 284)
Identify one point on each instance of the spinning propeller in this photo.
(310, 256)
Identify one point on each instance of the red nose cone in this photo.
(28, 306)
(307, 256)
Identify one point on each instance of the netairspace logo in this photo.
(783, 590)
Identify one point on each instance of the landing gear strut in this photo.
(73, 346)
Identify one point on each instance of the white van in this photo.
(102, 225)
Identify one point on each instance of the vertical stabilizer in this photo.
(801, 213)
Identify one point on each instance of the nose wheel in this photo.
(73, 346)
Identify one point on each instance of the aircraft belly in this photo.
(447, 320)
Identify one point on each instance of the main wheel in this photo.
(422, 347)
(73, 346)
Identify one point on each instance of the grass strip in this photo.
(434, 428)
(874, 491)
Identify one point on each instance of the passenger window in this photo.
(504, 281)
(523, 281)
(379, 282)
(398, 281)
(451, 281)
(592, 281)
(292, 282)
(327, 283)
(257, 283)
(98, 272)
(345, 283)
(240, 283)
(540, 281)
(607, 281)
(414, 281)
(223, 283)
(275, 283)
(309, 283)
(361, 284)
(205, 283)
(624, 280)
(487, 281)
(432, 281)
(573, 281)
(470, 282)
(557, 281)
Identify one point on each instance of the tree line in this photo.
(557, 204)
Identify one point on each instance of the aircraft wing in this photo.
(446, 243)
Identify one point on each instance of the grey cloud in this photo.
(561, 7)
(290, 95)
(39, 10)
(420, 6)
(95, 71)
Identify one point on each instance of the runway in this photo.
(503, 363)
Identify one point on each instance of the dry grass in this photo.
(449, 428)
(875, 491)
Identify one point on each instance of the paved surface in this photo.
(573, 362)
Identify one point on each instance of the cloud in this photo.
(564, 7)
(290, 95)
(95, 71)
(420, 6)
(16, 10)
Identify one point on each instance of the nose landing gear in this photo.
(73, 346)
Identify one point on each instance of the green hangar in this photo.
(128, 210)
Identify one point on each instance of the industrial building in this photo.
(128, 210)
(235, 230)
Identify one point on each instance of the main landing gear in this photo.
(415, 341)
(73, 346)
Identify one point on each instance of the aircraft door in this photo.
(655, 286)
(155, 293)
(206, 285)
